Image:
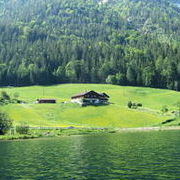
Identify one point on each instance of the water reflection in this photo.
(141, 155)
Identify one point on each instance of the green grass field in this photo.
(114, 115)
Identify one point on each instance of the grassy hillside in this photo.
(66, 114)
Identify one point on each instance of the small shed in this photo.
(44, 101)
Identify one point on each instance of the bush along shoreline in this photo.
(22, 132)
(25, 132)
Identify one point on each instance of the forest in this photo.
(123, 42)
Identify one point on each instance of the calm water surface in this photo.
(138, 155)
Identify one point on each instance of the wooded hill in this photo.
(125, 42)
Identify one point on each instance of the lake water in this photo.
(136, 155)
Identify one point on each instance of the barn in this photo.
(44, 101)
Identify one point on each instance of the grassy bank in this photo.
(53, 132)
(115, 115)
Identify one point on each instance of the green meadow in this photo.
(67, 114)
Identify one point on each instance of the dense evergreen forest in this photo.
(125, 42)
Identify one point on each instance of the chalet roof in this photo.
(85, 93)
(82, 94)
(104, 94)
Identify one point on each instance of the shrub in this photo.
(139, 104)
(5, 123)
(133, 105)
(5, 96)
(1, 101)
(23, 129)
(164, 109)
(129, 104)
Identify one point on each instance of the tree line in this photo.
(128, 42)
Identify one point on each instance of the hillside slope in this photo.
(114, 115)
(125, 42)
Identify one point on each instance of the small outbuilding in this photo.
(44, 101)
(90, 98)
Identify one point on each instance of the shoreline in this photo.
(158, 128)
(49, 132)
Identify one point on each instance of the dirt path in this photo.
(116, 129)
(149, 128)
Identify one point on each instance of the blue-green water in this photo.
(138, 155)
